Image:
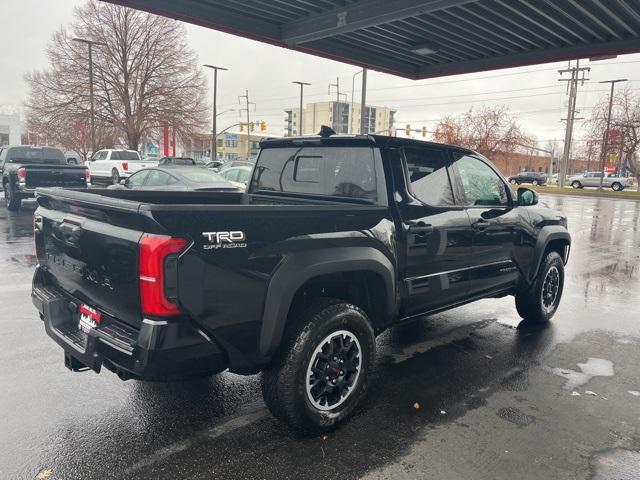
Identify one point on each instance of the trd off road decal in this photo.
(234, 239)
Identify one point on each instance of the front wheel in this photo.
(536, 182)
(576, 184)
(321, 374)
(539, 302)
(616, 186)
(115, 177)
(513, 181)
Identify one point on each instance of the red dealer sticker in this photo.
(89, 318)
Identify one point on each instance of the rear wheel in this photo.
(115, 176)
(12, 201)
(576, 184)
(321, 374)
(617, 186)
(539, 302)
(536, 182)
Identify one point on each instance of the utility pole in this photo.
(336, 114)
(605, 143)
(577, 76)
(90, 44)
(363, 103)
(246, 97)
(214, 149)
(301, 125)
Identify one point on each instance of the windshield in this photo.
(203, 176)
(44, 155)
(323, 170)
(125, 155)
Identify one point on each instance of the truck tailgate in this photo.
(55, 176)
(91, 252)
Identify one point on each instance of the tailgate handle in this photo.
(70, 233)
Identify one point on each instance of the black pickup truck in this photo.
(24, 168)
(336, 239)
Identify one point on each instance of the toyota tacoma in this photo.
(336, 239)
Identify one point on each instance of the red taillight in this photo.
(87, 175)
(125, 166)
(22, 173)
(153, 251)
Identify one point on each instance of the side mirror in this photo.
(527, 197)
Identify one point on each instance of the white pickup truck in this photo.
(117, 164)
(592, 179)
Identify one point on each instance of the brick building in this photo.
(512, 163)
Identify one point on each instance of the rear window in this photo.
(203, 176)
(124, 155)
(46, 155)
(324, 170)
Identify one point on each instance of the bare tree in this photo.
(624, 139)
(487, 131)
(145, 76)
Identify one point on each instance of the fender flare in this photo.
(546, 235)
(298, 268)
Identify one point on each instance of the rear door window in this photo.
(317, 170)
(158, 178)
(427, 176)
(124, 155)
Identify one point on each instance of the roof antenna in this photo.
(326, 131)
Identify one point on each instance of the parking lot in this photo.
(470, 393)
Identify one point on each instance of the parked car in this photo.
(592, 179)
(24, 168)
(176, 161)
(171, 178)
(73, 158)
(213, 165)
(113, 165)
(337, 239)
(239, 176)
(535, 178)
(236, 163)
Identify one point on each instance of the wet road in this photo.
(497, 399)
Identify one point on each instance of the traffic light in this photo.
(263, 126)
(253, 126)
(424, 131)
(407, 130)
(242, 127)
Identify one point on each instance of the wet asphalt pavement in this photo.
(472, 393)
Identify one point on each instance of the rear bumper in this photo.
(159, 350)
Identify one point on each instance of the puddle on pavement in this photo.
(618, 464)
(593, 367)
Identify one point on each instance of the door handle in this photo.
(420, 228)
(480, 225)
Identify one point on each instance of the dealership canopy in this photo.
(422, 39)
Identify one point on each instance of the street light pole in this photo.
(90, 44)
(605, 143)
(302, 84)
(363, 103)
(215, 69)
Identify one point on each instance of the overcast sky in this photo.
(532, 93)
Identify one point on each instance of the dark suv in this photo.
(336, 239)
(535, 178)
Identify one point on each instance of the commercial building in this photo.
(343, 117)
(10, 130)
(230, 145)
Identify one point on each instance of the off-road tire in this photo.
(12, 201)
(284, 383)
(530, 301)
